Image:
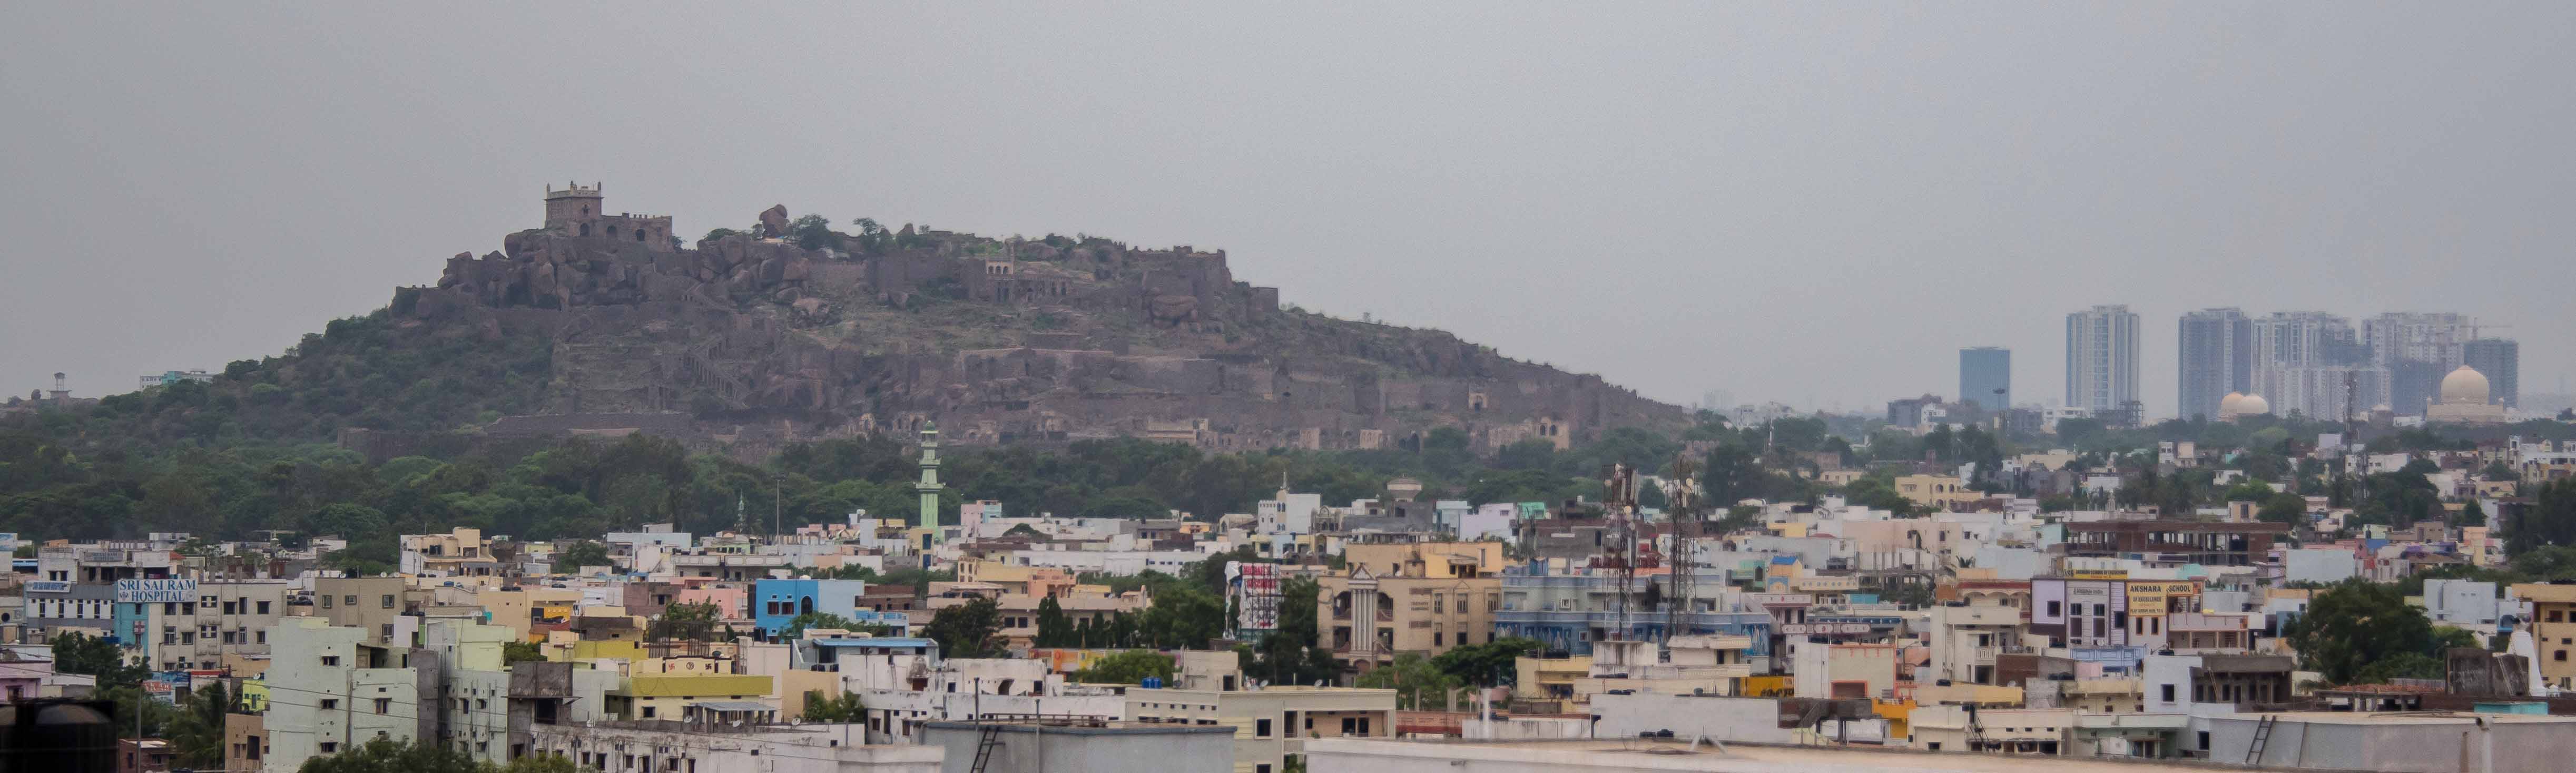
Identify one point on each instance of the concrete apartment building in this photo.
(2217, 358)
(370, 604)
(2102, 359)
(229, 617)
(330, 689)
(1423, 597)
(462, 552)
(2553, 630)
(1082, 746)
(1272, 723)
(1939, 492)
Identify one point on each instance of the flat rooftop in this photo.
(1676, 754)
(2404, 717)
(1111, 727)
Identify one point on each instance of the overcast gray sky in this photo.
(1817, 203)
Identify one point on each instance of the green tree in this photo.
(812, 232)
(2403, 665)
(1055, 629)
(196, 732)
(1128, 667)
(845, 707)
(967, 630)
(2550, 520)
(2283, 508)
(77, 653)
(381, 755)
(580, 554)
(2354, 624)
(1491, 664)
(1183, 617)
(1418, 684)
(797, 626)
(690, 622)
(1289, 655)
(522, 652)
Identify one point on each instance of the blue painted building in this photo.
(775, 603)
(1572, 609)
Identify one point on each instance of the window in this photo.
(648, 712)
(2052, 609)
(330, 703)
(384, 704)
(326, 602)
(1261, 728)
(2204, 740)
(389, 601)
(330, 660)
(329, 747)
(1435, 638)
(2560, 656)
(350, 599)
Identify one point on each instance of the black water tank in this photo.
(58, 735)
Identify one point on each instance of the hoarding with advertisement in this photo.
(1256, 595)
(156, 591)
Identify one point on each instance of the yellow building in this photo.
(672, 696)
(1271, 724)
(1423, 597)
(1939, 492)
(1435, 560)
(1546, 679)
(2553, 626)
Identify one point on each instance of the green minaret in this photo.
(929, 486)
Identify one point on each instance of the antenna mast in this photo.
(1685, 522)
(1619, 498)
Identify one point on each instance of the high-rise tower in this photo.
(2217, 357)
(1985, 377)
(2102, 359)
(2500, 360)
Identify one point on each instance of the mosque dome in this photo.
(2465, 385)
(2227, 405)
(2253, 405)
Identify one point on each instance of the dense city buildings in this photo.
(2102, 360)
(2312, 363)
(2413, 351)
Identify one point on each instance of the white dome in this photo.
(2253, 405)
(2227, 405)
(2465, 385)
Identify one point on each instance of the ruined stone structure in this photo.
(757, 341)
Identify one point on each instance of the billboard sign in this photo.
(1800, 629)
(1256, 593)
(156, 591)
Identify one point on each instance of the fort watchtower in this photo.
(573, 210)
(576, 210)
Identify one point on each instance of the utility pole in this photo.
(777, 504)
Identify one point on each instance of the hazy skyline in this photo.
(1813, 204)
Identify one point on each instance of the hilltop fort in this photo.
(790, 329)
